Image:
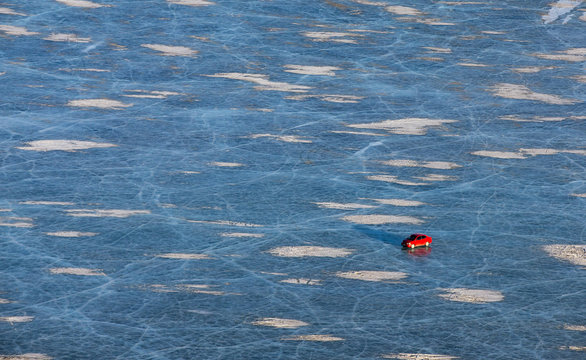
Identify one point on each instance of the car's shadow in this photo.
(380, 235)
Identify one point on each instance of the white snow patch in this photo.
(499, 154)
(145, 94)
(532, 69)
(71, 234)
(342, 206)
(77, 271)
(575, 327)
(440, 165)
(436, 177)
(575, 254)
(7, 11)
(313, 337)
(403, 10)
(117, 213)
(580, 195)
(63, 145)
(394, 180)
(284, 138)
(16, 319)
(419, 356)
(382, 219)
(16, 30)
(225, 164)
(280, 323)
(438, 50)
(263, 82)
(302, 281)
(167, 50)
(27, 356)
(99, 103)
(368, 275)
(339, 37)
(83, 4)
(67, 38)
(570, 55)
(192, 2)
(19, 222)
(407, 126)
(357, 133)
(399, 202)
(310, 251)
(312, 70)
(225, 222)
(241, 234)
(184, 256)
(521, 92)
(474, 296)
(60, 203)
(334, 98)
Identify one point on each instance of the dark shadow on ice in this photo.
(380, 235)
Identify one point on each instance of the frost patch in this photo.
(473, 296)
(63, 145)
(382, 219)
(191, 2)
(302, 281)
(184, 256)
(67, 38)
(310, 251)
(394, 180)
(19, 222)
(372, 275)
(284, 138)
(71, 234)
(117, 213)
(407, 126)
(167, 50)
(16, 319)
(443, 165)
(16, 30)
(77, 271)
(575, 254)
(414, 356)
(83, 4)
(521, 92)
(7, 11)
(99, 103)
(263, 82)
(314, 337)
(280, 323)
(559, 9)
(341, 206)
(225, 222)
(312, 70)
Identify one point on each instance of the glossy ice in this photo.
(232, 179)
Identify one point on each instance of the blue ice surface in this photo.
(490, 215)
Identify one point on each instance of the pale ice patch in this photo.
(310, 251)
(183, 256)
(241, 235)
(492, 32)
(225, 164)
(263, 82)
(99, 103)
(469, 64)
(403, 10)
(575, 327)
(382, 219)
(560, 8)
(440, 165)
(580, 195)
(419, 356)
(16, 30)
(302, 281)
(407, 126)
(343, 206)
(67, 38)
(167, 50)
(59, 203)
(7, 11)
(532, 69)
(357, 133)
(533, 119)
(521, 92)
(14, 221)
(77, 271)
(117, 213)
(570, 55)
(394, 180)
(225, 222)
(313, 337)
(71, 234)
(474, 296)
(192, 2)
(312, 70)
(280, 323)
(85, 69)
(573, 348)
(146, 94)
(438, 50)
(16, 319)
(63, 145)
(82, 4)
(575, 254)
(284, 138)
(5, 301)
(369, 275)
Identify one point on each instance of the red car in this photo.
(416, 240)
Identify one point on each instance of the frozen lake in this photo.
(190, 179)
